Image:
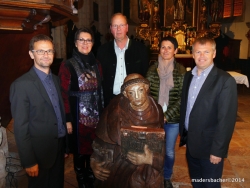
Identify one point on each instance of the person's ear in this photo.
(125, 94)
(176, 50)
(31, 55)
(214, 54)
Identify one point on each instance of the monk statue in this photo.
(114, 168)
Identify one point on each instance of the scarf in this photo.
(165, 72)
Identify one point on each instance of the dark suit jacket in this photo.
(136, 61)
(212, 119)
(35, 122)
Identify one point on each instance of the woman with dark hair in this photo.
(82, 95)
(166, 77)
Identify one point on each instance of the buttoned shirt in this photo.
(50, 88)
(194, 89)
(120, 73)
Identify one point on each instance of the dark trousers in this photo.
(84, 173)
(203, 173)
(54, 176)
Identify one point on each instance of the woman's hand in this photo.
(165, 120)
(69, 127)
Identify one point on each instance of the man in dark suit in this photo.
(39, 121)
(120, 57)
(208, 115)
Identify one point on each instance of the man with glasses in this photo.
(39, 120)
(120, 58)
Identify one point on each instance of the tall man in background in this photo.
(39, 121)
(208, 115)
(120, 57)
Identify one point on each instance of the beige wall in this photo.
(59, 38)
(238, 30)
(86, 16)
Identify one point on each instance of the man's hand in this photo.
(32, 171)
(98, 170)
(139, 159)
(214, 159)
(69, 127)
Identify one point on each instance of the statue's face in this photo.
(137, 95)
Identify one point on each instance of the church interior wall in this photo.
(86, 16)
(237, 29)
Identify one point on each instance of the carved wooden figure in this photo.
(125, 151)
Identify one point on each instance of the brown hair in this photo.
(170, 39)
(37, 38)
(84, 30)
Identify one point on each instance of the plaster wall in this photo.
(59, 38)
(86, 16)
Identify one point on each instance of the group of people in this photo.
(83, 110)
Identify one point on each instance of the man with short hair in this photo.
(39, 121)
(120, 57)
(132, 108)
(208, 115)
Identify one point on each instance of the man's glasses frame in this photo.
(42, 52)
(120, 26)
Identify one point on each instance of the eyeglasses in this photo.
(82, 41)
(116, 26)
(42, 52)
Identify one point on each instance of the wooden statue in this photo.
(129, 149)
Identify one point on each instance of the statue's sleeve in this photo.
(105, 145)
(103, 151)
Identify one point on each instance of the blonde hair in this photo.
(204, 40)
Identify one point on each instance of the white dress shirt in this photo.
(120, 73)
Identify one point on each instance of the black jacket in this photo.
(212, 118)
(136, 60)
(35, 122)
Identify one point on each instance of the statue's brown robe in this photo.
(107, 146)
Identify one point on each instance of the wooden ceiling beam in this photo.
(26, 15)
